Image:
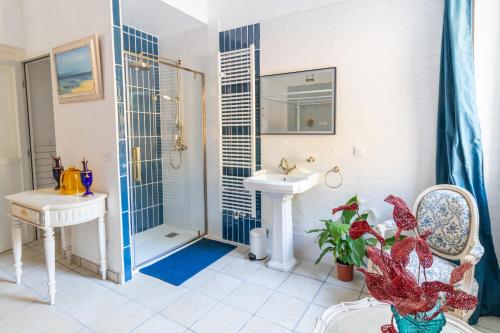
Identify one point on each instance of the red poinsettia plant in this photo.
(393, 283)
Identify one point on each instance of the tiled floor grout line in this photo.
(314, 297)
(110, 286)
(267, 299)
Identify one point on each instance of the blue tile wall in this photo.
(122, 150)
(237, 228)
(146, 208)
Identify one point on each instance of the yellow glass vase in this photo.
(70, 182)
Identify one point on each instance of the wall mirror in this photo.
(299, 102)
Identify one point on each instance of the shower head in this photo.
(165, 97)
(140, 65)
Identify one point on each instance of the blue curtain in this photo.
(459, 158)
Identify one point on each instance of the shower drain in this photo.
(172, 235)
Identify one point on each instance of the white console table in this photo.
(47, 209)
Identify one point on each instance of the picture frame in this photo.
(76, 67)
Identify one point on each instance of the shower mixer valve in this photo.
(177, 143)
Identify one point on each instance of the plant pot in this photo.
(417, 323)
(345, 272)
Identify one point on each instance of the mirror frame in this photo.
(334, 103)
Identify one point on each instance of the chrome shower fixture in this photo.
(140, 65)
(165, 97)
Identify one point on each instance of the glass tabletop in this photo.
(367, 316)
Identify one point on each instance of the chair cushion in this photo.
(439, 271)
(448, 214)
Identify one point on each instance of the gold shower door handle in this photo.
(136, 160)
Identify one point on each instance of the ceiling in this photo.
(156, 17)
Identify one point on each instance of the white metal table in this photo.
(368, 315)
(47, 209)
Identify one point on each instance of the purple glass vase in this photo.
(86, 179)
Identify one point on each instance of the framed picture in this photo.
(77, 69)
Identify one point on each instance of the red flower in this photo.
(392, 283)
(424, 253)
(402, 214)
(353, 206)
(389, 328)
(359, 228)
(459, 299)
(401, 250)
(458, 273)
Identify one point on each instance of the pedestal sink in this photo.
(280, 188)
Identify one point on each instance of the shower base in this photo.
(154, 242)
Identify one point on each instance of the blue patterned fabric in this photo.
(459, 155)
(439, 271)
(447, 214)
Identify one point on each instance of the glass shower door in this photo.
(166, 157)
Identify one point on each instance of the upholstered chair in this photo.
(451, 213)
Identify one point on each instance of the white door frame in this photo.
(29, 233)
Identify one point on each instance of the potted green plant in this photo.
(334, 238)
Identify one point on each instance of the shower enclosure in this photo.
(165, 112)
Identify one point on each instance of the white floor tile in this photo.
(40, 318)
(268, 278)
(159, 324)
(259, 325)
(240, 252)
(198, 278)
(301, 287)
(309, 319)
(218, 286)
(309, 269)
(122, 319)
(240, 268)
(140, 284)
(96, 307)
(222, 318)
(331, 294)
(64, 280)
(248, 297)
(189, 308)
(28, 264)
(489, 322)
(15, 297)
(7, 259)
(161, 296)
(78, 294)
(283, 310)
(221, 263)
(356, 284)
(486, 330)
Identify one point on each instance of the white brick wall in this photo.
(387, 58)
(487, 56)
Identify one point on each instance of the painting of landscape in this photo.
(74, 71)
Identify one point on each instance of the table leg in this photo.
(66, 243)
(17, 248)
(102, 246)
(50, 261)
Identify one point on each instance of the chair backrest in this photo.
(451, 213)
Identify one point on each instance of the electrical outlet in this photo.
(358, 152)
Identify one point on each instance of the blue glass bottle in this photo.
(417, 324)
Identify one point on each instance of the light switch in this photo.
(359, 152)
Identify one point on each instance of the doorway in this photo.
(41, 121)
(15, 170)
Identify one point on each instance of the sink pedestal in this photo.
(282, 257)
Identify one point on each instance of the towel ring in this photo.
(335, 169)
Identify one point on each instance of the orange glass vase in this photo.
(71, 182)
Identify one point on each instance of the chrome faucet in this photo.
(285, 166)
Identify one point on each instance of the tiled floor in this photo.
(232, 295)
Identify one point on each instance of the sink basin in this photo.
(274, 181)
(280, 188)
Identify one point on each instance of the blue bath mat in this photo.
(182, 265)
